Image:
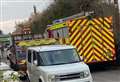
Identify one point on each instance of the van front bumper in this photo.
(89, 79)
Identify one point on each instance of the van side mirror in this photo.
(35, 62)
(81, 58)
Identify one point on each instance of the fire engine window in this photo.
(60, 32)
(55, 34)
(29, 56)
(65, 32)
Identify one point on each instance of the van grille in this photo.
(69, 76)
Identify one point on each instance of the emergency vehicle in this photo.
(92, 37)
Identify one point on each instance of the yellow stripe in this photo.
(108, 20)
(108, 41)
(77, 37)
(96, 31)
(98, 28)
(90, 60)
(88, 22)
(83, 22)
(71, 23)
(100, 54)
(108, 36)
(96, 47)
(87, 50)
(73, 36)
(106, 24)
(101, 19)
(95, 57)
(107, 46)
(86, 38)
(80, 46)
(86, 44)
(99, 39)
(107, 30)
(97, 21)
(92, 22)
(83, 28)
(89, 54)
(76, 24)
(99, 44)
(86, 32)
(79, 41)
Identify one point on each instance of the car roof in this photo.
(50, 47)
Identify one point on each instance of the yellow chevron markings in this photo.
(86, 44)
(101, 52)
(92, 22)
(101, 19)
(76, 24)
(96, 31)
(88, 55)
(103, 37)
(86, 32)
(95, 57)
(74, 36)
(107, 36)
(77, 37)
(107, 46)
(79, 43)
(71, 23)
(98, 28)
(96, 47)
(92, 58)
(80, 46)
(83, 22)
(86, 38)
(87, 50)
(74, 33)
(82, 28)
(99, 39)
(107, 30)
(106, 24)
(98, 22)
(99, 44)
(108, 20)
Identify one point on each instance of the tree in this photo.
(64, 8)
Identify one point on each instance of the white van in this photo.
(56, 63)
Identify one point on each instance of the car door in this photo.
(29, 63)
(35, 72)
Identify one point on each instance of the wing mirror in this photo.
(81, 58)
(35, 62)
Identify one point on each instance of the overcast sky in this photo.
(12, 11)
(18, 10)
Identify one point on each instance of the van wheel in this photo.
(40, 80)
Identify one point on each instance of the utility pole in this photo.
(116, 21)
(35, 10)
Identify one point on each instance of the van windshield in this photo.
(57, 57)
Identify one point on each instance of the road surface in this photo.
(108, 75)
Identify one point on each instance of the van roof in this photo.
(50, 47)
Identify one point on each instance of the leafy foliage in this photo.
(64, 8)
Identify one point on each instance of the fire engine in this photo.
(92, 37)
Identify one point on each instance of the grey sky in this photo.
(17, 9)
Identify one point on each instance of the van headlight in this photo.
(84, 74)
(51, 78)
